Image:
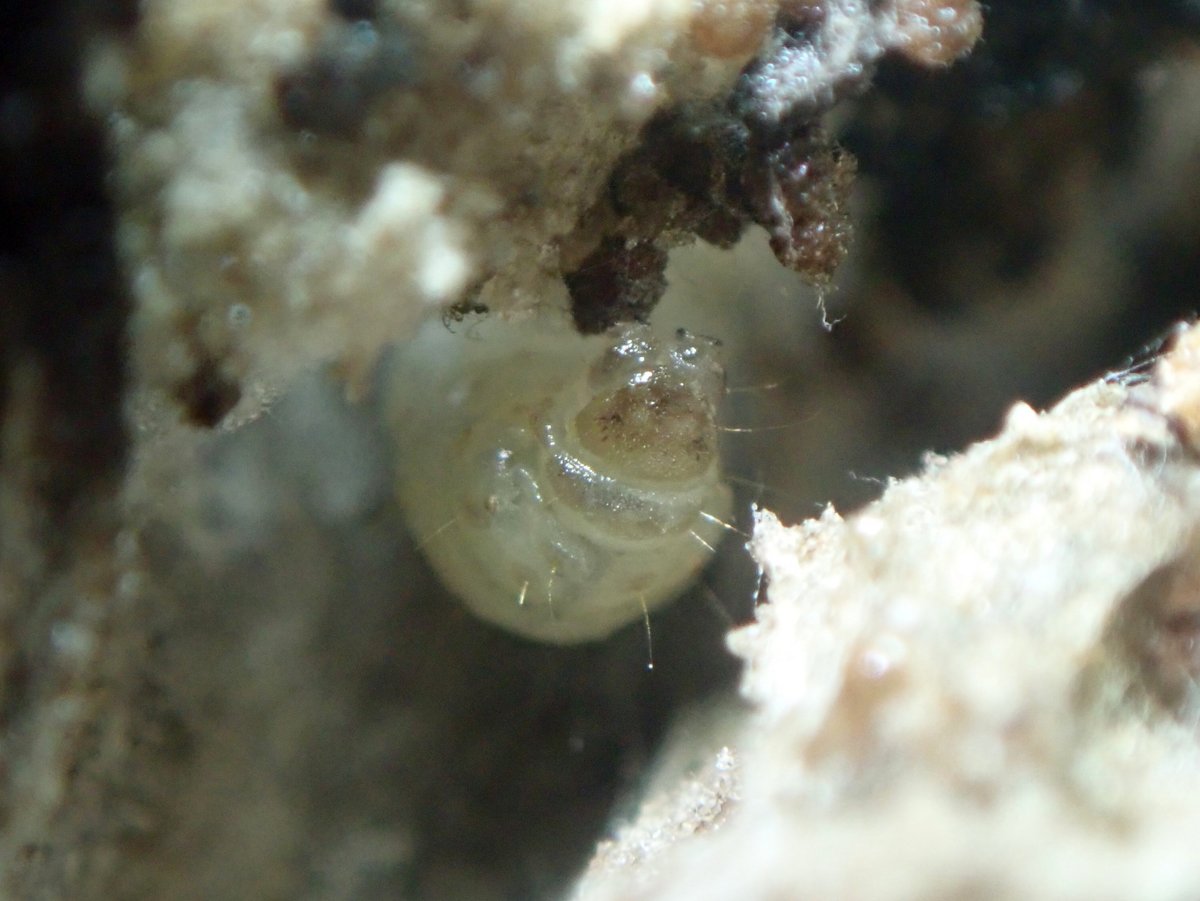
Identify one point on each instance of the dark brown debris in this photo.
(620, 281)
(708, 171)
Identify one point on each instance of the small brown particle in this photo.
(801, 197)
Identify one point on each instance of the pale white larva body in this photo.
(561, 486)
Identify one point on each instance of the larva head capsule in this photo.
(562, 486)
(653, 415)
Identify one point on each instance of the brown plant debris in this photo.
(761, 156)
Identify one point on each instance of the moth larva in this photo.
(560, 485)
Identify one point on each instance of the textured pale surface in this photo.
(977, 684)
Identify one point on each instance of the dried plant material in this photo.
(760, 155)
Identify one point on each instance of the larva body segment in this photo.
(560, 485)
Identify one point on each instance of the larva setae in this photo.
(561, 486)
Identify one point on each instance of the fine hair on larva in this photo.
(561, 486)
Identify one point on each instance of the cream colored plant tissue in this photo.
(982, 685)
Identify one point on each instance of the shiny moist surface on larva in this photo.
(561, 486)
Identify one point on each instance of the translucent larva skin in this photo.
(560, 485)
